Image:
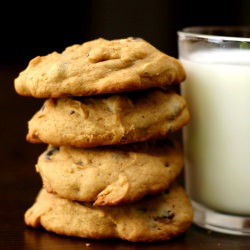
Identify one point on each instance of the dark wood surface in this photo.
(19, 184)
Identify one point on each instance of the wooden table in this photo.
(19, 184)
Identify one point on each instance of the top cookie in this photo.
(97, 67)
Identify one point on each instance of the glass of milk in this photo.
(217, 139)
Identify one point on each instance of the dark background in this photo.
(31, 28)
(35, 28)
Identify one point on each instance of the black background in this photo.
(28, 29)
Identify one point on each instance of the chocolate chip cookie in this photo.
(111, 175)
(108, 119)
(157, 218)
(97, 67)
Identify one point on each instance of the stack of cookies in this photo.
(109, 119)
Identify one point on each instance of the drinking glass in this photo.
(216, 141)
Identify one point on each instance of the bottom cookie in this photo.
(156, 218)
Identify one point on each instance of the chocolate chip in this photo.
(166, 164)
(50, 152)
(169, 215)
(80, 163)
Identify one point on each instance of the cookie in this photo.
(97, 67)
(110, 175)
(108, 119)
(156, 218)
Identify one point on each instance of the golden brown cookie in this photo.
(97, 67)
(110, 175)
(156, 218)
(108, 119)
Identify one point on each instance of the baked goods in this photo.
(97, 67)
(109, 119)
(110, 175)
(151, 219)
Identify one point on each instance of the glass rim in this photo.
(203, 32)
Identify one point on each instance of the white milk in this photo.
(217, 139)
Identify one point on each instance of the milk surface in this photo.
(217, 139)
